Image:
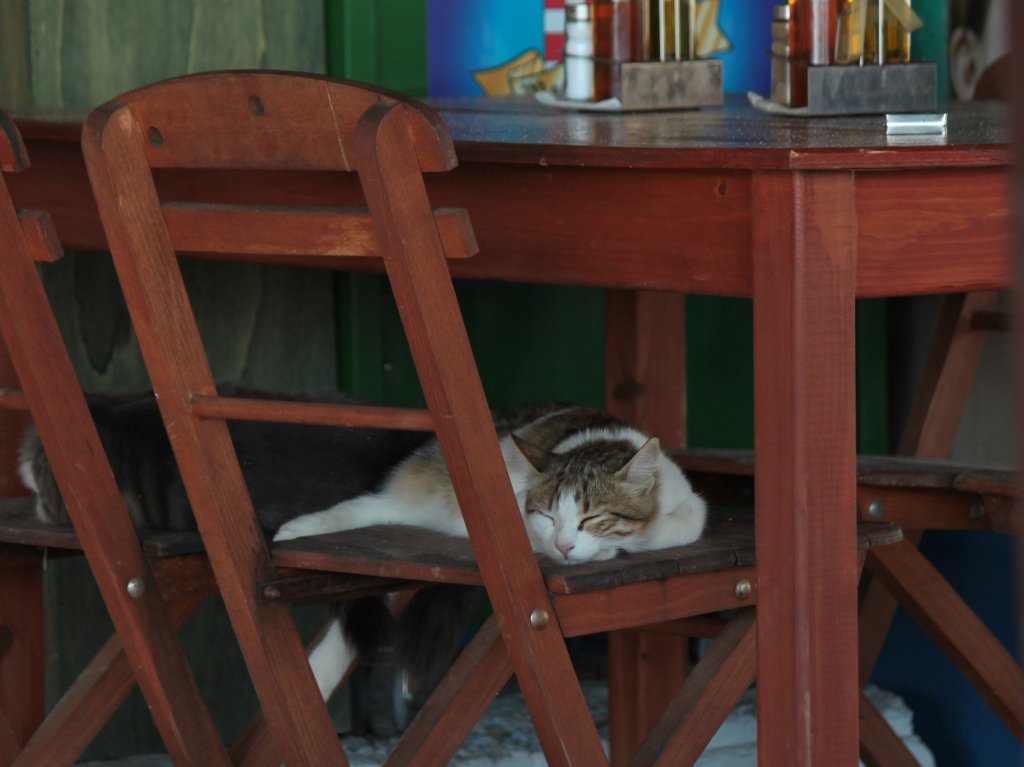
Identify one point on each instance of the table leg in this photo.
(804, 240)
(645, 364)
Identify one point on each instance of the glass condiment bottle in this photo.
(898, 21)
(614, 43)
(814, 30)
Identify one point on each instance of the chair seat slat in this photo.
(328, 233)
(20, 526)
(400, 551)
(872, 470)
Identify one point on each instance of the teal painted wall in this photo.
(74, 55)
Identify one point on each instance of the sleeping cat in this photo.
(587, 484)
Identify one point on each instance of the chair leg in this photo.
(93, 698)
(954, 627)
(879, 745)
(457, 704)
(877, 610)
(255, 747)
(9, 745)
(21, 642)
(709, 694)
(82, 711)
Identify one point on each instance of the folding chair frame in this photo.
(145, 647)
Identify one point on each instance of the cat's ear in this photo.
(537, 457)
(641, 470)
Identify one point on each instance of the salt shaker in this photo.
(579, 52)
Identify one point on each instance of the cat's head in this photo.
(590, 501)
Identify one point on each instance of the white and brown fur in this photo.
(588, 486)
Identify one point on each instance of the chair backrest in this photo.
(257, 121)
(949, 372)
(84, 476)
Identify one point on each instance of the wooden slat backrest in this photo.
(247, 120)
(40, 235)
(390, 141)
(87, 484)
(336, 233)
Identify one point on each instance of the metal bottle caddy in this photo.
(644, 55)
(833, 57)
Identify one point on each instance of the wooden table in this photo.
(802, 215)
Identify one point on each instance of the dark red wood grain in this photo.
(804, 230)
(802, 214)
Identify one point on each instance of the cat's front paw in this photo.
(603, 555)
(307, 524)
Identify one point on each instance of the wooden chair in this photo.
(378, 144)
(149, 587)
(932, 494)
(919, 490)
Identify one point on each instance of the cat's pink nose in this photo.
(565, 548)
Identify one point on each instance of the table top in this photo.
(517, 159)
(521, 130)
(736, 135)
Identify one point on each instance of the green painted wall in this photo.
(531, 341)
(84, 52)
(720, 373)
(266, 325)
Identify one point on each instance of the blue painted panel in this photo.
(467, 35)
(949, 715)
(748, 25)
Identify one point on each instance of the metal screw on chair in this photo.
(539, 618)
(744, 588)
(136, 587)
(876, 509)
(271, 592)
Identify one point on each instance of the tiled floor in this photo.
(505, 738)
